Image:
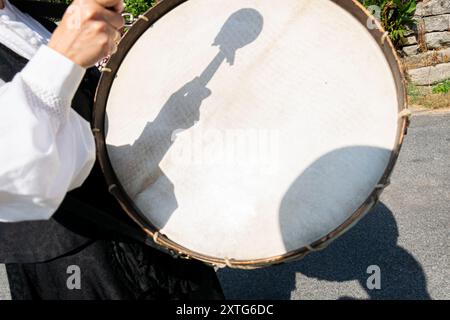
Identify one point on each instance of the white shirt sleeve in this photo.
(46, 148)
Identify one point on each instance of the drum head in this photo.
(245, 130)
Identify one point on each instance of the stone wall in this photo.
(426, 48)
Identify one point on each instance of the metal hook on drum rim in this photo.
(129, 19)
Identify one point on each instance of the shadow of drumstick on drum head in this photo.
(152, 190)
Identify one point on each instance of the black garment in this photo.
(112, 265)
(111, 270)
(39, 8)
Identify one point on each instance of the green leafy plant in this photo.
(443, 87)
(137, 7)
(395, 16)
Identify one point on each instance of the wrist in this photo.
(63, 50)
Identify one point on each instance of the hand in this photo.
(88, 31)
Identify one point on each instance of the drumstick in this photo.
(241, 29)
(211, 69)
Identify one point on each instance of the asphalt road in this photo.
(407, 236)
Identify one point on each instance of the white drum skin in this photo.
(252, 136)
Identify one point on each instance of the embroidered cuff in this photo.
(53, 73)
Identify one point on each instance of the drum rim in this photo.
(101, 98)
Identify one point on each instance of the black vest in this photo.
(86, 214)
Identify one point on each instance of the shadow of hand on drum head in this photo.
(153, 191)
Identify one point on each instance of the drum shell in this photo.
(148, 19)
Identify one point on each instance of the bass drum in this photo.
(245, 133)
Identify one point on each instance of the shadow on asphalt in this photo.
(373, 241)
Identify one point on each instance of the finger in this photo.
(114, 19)
(116, 5)
(114, 46)
(117, 37)
(112, 33)
(120, 7)
(114, 49)
(114, 37)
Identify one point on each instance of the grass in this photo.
(435, 97)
